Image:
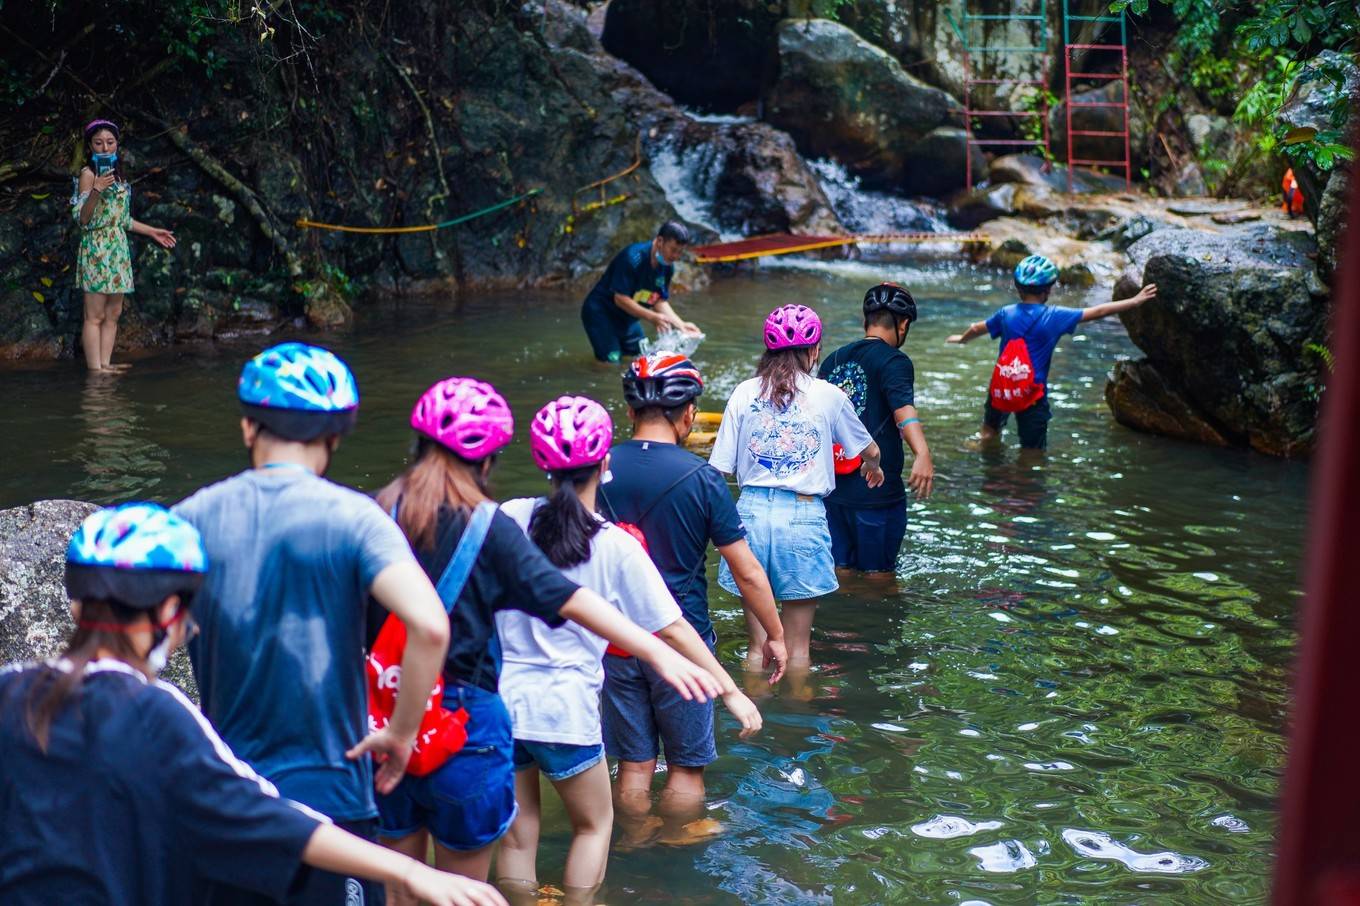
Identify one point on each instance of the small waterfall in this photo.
(689, 178)
(863, 211)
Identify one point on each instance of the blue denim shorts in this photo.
(557, 760)
(470, 801)
(789, 536)
(867, 538)
(641, 712)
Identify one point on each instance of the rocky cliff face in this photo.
(457, 107)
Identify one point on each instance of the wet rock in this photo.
(935, 165)
(1129, 231)
(1209, 134)
(327, 309)
(1325, 97)
(841, 97)
(1032, 170)
(748, 176)
(1226, 340)
(970, 210)
(1076, 275)
(1189, 180)
(1008, 254)
(35, 615)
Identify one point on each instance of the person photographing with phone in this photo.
(102, 206)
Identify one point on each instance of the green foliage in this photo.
(1217, 40)
(330, 278)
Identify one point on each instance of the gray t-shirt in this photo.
(280, 661)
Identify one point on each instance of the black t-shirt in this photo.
(630, 272)
(511, 573)
(879, 380)
(135, 800)
(678, 526)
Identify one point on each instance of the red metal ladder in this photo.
(1075, 159)
(963, 31)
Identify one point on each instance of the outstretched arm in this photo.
(332, 849)
(595, 613)
(975, 330)
(163, 238)
(682, 637)
(1096, 312)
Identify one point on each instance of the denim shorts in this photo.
(557, 760)
(789, 536)
(641, 712)
(469, 802)
(1031, 423)
(867, 538)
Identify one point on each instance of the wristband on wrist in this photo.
(908, 421)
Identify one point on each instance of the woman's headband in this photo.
(95, 124)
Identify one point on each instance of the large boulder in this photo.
(1324, 100)
(1100, 119)
(841, 97)
(747, 177)
(35, 614)
(1227, 340)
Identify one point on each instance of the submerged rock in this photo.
(1226, 340)
(35, 614)
(841, 97)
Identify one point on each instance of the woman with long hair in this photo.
(102, 206)
(468, 803)
(115, 788)
(552, 678)
(777, 436)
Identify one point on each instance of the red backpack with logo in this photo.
(1013, 388)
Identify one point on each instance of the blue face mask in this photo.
(660, 258)
(103, 163)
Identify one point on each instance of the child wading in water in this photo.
(468, 802)
(776, 436)
(552, 677)
(102, 207)
(1018, 385)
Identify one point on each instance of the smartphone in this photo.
(104, 167)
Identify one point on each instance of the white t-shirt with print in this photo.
(551, 678)
(791, 449)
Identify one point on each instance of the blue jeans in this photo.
(789, 536)
(1031, 423)
(469, 802)
(867, 538)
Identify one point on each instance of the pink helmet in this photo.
(570, 432)
(792, 327)
(465, 415)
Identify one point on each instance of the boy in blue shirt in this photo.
(1040, 325)
(612, 314)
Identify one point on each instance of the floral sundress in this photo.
(104, 263)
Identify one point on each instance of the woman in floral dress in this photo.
(103, 208)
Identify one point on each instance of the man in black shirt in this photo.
(868, 524)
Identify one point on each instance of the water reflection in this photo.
(116, 455)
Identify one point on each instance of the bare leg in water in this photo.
(591, 813)
(92, 328)
(108, 332)
(797, 618)
(475, 864)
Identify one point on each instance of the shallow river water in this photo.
(1073, 694)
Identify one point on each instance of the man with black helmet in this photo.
(868, 524)
(679, 503)
(635, 287)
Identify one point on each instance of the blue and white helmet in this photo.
(137, 554)
(300, 392)
(1036, 272)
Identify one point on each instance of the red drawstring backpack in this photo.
(442, 733)
(1013, 388)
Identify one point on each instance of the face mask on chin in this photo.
(660, 258)
(159, 655)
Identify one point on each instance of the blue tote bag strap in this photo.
(456, 574)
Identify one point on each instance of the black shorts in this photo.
(1031, 423)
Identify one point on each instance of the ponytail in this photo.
(563, 528)
(58, 686)
(778, 372)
